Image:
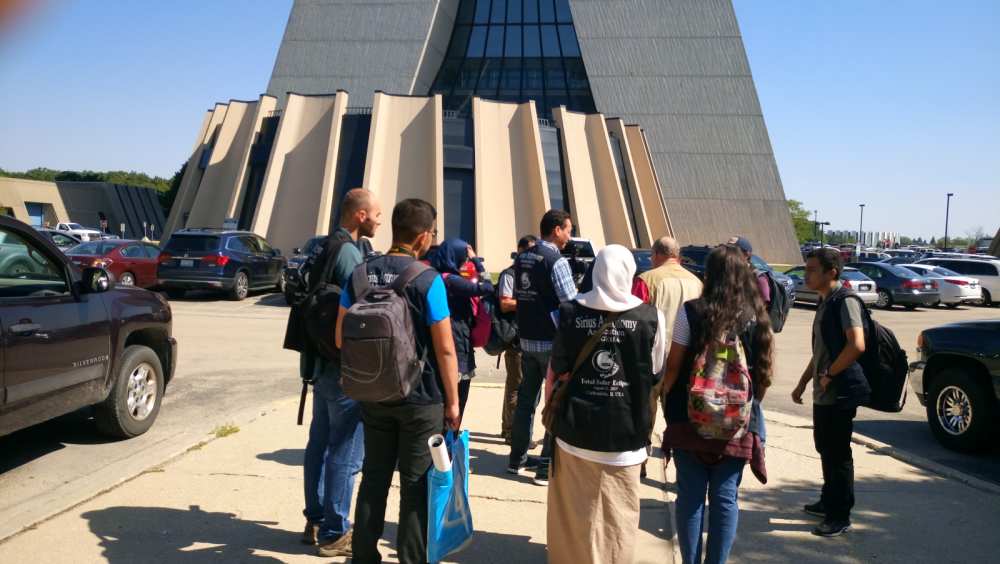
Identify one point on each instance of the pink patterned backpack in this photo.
(719, 393)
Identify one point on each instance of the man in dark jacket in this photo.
(839, 387)
(512, 355)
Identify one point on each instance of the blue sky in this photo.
(890, 103)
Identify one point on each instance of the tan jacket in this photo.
(669, 287)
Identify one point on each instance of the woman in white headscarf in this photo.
(606, 357)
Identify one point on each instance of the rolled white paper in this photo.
(439, 453)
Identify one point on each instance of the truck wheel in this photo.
(241, 287)
(960, 411)
(135, 397)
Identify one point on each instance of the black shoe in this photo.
(541, 476)
(817, 509)
(530, 464)
(829, 528)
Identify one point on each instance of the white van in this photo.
(987, 271)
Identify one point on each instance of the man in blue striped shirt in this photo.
(542, 279)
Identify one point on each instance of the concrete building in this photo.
(42, 203)
(499, 109)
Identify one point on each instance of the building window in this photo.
(514, 51)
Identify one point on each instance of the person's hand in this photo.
(824, 381)
(452, 416)
(797, 393)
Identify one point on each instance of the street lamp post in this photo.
(822, 234)
(861, 226)
(947, 212)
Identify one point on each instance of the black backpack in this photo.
(503, 328)
(781, 302)
(312, 322)
(885, 366)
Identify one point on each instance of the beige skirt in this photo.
(593, 511)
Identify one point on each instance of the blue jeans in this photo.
(333, 455)
(722, 482)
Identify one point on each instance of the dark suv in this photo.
(71, 339)
(234, 262)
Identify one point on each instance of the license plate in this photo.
(187, 263)
(927, 286)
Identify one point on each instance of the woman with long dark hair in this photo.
(709, 387)
(453, 259)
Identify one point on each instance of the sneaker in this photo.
(310, 535)
(339, 547)
(530, 464)
(829, 528)
(817, 509)
(541, 476)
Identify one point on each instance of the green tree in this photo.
(800, 221)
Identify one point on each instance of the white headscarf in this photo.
(614, 268)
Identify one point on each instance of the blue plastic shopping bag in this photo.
(449, 523)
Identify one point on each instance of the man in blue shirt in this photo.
(396, 433)
(336, 445)
(543, 280)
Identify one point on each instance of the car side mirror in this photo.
(96, 280)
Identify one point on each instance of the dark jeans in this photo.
(464, 386)
(395, 436)
(832, 429)
(533, 368)
(333, 455)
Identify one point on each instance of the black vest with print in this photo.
(536, 295)
(606, 407)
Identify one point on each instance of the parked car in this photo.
(693, 258)
(955, 288)
(234, 262)
(80, 232)
(958, 380)
(296, 275)
(899, 261)
(851, 278)
(872, 256)
(986, 270)
(60, 239)
(643, 260)
(73, 339)
(897, 285)
(132, 263)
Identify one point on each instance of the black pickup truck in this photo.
(70, 339)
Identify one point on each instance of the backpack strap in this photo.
(409, 274)
(359, 281)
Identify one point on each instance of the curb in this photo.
(900, 455)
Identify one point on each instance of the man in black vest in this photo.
(512, 355)
(542, 280)
(839, 387)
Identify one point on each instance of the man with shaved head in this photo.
(667, 286)
(335, 450)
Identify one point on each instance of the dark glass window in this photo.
(514, 50)
(563, 13)
(499, 11)
(482, 11)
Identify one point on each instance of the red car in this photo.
(132, 263)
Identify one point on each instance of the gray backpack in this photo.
(378, 354)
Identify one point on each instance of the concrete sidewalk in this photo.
(239, 499)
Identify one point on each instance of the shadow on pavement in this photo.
(28, 445)
(153, 534)
(286, 456)
(272, 300)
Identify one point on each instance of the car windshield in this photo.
(192, 243)
(643, 259)
(92, 249)
(695, 256)
(944, 271)
(759, 263)
(582, 249)
(74, 226)
(902, 272)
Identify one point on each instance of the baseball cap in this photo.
(743, 243)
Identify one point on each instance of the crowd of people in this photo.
(601, 362)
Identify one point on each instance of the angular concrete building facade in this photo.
(497, 110)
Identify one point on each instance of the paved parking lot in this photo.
(231, 364)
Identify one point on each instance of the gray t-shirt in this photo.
(850, 316)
